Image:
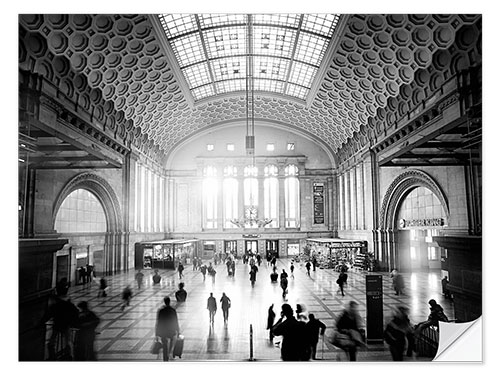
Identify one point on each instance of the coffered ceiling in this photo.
(133, 68)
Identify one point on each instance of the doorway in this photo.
(272, 248)
(251, 247)
(230, 247)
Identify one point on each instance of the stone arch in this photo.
(398, 190)
(102, 190)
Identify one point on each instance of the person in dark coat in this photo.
(253, 276)
(167, 328)
(314, 327)
(203, 270)
(398, 334)
(341, 281)
(156, 278)
(81, 275)
(308, 268)
(349, 323)
(103, 285)
(436, 315)
(225, 303)
(126, 297)
(444, 286)
(212, 308)
(180, 268)
(139, 276)
(294, 346)
(64, 315)
(314, 263)
(271, 315)
(85, 337)
(284, 284)
(181, 294)
(398, 282)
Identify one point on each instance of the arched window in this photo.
(292, 197)
(210, 197)
(251, 194)
(230, 192)
(81, 212)
(271, 192)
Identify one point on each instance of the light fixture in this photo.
(250, 218)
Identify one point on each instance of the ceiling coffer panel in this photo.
(122, 57)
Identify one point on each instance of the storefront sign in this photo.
(439, 222)
(250, 235)
(319, 203)
(346, 245)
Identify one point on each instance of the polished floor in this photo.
(128, 335)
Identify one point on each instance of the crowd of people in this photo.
(299, 333)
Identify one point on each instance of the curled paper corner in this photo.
(460, 342)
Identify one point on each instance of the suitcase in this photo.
(179, 346)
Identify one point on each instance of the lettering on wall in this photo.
(437, 222)
(319, 203)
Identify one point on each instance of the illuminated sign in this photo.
(439, 222)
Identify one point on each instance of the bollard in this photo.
(251, 343)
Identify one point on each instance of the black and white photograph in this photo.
(240, 187)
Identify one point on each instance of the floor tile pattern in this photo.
(127, 335)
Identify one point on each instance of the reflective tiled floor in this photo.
(127, 335)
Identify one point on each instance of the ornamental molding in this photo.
(102, 190)
(399, 188)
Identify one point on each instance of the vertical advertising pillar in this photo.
(374, 309)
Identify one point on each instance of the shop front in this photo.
(165, 254)
(335, 252)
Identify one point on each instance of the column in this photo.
(170, 204)
(220, 204)
(305, 204)
(347, 194)
(241, 200)
(340, 184)
(281, 186)
(354, 205)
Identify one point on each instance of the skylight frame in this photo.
(286, 64)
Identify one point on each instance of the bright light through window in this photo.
(230, 147)
(210, 147)
(211, 49)
(413, 253)
(290, 146)
(270, 147)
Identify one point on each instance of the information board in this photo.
(319, 203)
(374, 309)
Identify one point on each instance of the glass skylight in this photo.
(212, 50)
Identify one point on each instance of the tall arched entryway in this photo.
(414, 209)
(98, 239)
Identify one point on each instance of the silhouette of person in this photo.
(85, 336)
(167, 328)
(294, 346)
(271, 315)
(181, 294)
(225, 305)
(314, 328)
(139, 276)
(212, 308)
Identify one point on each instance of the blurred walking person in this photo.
(398, 334)
(349, 325)
(85, 336)
(180, 269)
(126, 297)
(139, 276)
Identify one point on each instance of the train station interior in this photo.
(146, 141)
